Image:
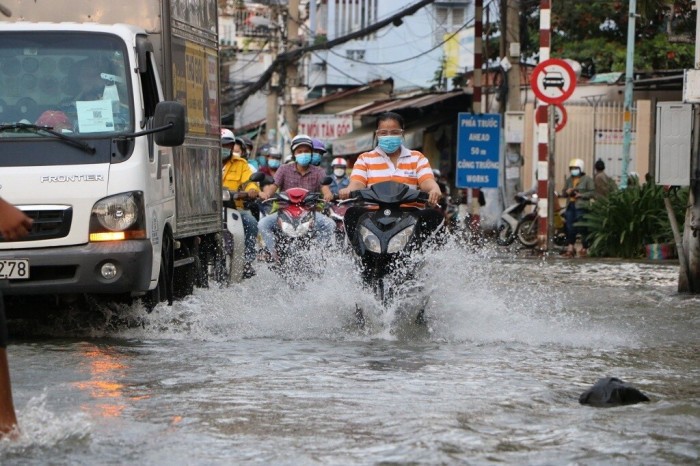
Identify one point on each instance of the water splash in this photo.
(42, 429)
(477, 295)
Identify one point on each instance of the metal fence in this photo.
(591, 132)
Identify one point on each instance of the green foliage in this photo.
(594, 33)
(621, 224)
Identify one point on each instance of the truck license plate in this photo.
(14, 269)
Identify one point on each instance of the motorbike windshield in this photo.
(76, 83)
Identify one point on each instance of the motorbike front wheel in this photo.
(527, 230)
(506, 236)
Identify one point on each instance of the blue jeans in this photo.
(324, 226)
(250, 228)
(573, 215)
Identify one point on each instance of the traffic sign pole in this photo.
(542, 130)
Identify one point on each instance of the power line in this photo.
(294, 54)
(468, 23)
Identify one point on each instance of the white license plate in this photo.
(14, 269)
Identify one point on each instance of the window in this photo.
(448, 20)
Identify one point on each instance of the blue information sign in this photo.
(478, 150)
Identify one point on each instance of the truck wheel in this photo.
(164, 289)
(185, 276)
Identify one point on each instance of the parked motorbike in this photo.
(510, 218)
(384, 232)
(527, 229)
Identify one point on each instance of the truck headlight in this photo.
(118, 217)
(398, 242)
(370, 239)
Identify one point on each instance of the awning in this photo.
(362, 139)
(355, 142)
(416, 102)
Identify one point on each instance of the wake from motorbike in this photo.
(390, 227)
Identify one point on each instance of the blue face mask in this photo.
(225, 154)
(262, 161)
(274, 163)
(316, 159)
(303, 159)
(575, 172)
(389, 144)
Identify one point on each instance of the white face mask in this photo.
(236, 154)
(339, 172)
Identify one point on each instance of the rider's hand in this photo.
(344, 193)
(434, 195)
(263, 195)
(328, 197)
(252, 194)
(14, 224)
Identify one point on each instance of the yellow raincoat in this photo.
(236, 175)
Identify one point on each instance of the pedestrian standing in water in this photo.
(579, 189)
(14, 224)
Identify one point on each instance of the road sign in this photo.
(559, 119)
(553, 81)
(478, 150)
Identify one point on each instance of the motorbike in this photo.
(296, 222)
(336, 211)
(386, 224)
(527, 228)
(230, 258)
(510, 218)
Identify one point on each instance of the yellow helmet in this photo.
(576, 163)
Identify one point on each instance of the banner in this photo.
(325, 127)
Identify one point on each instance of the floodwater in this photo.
(261, 372)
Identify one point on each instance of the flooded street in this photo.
(261, 372)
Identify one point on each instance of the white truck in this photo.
(109, 141)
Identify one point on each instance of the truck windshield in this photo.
(74, 82)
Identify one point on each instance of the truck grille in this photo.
(49, 222)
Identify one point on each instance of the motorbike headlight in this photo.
(288, 229)
(304, 228)
(370, 240)
(398, 242)
(118, 217)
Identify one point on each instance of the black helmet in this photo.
(599, 165)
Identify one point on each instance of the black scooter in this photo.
(384, 232)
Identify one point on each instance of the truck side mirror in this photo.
(170, 112)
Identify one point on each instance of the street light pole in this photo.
(629, 86)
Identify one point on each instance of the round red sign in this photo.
(553, 81)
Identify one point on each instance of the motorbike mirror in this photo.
(327, 181)
(225, 195)
(257, 177)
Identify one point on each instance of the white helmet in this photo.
(576, 163)
(227, 136)
(339, 162)
(302, 140)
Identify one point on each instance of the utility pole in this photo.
(271, 129)
(291, 68)
(510, 48)
(690, 282)
(629, 86)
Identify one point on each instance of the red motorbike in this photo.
(296, 221)
(336, 211)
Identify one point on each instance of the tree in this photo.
(594, 33)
